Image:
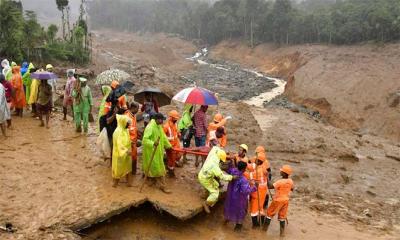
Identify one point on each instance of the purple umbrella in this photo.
(43, 75)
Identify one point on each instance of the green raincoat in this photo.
(106, 91)
(186, 121)
(121, 159)
(151, 134)
(82, 104)
(27, 81)
(9, 73)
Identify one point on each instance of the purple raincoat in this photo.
(237, 197)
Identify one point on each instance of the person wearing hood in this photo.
(208, 174)
(24, 68)
(185, 125)
(19, 101)
(5, 64)
(133, 133)
(171, 130)
(237, 195)
(27, 80)
(5, 115)
(52, 82)
(155, 142)
(83, 103)
(121, 153)
(69, 87)
(33, 96)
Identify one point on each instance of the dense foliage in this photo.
(278, 21)
(22, 37)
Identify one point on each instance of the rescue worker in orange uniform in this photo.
(218, 122)
(240, 156)
(133, 133)
(171, 130)
(280, 202)
(258, 176)
(266, 165)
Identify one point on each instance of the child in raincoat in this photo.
(121, 154)
(209, 172)
(82, 105)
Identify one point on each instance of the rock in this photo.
(367, 213)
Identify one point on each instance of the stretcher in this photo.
(201, 152)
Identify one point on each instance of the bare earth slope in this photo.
(354, 87)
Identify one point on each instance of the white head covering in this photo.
(70, 72)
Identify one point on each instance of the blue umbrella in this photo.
(43, 75)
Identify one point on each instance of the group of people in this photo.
(249, 178)
(19, 91)
(164, 142)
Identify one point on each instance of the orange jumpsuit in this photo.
(18, 100)
(280, 202)
(171, 130)
(213, 127)
(133, 136)
(257, 198)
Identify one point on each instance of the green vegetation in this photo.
(22, 37)
(256, 21)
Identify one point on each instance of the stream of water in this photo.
(259, 100)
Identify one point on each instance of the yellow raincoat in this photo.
(34, 91)
(209, 172)
(121, 159)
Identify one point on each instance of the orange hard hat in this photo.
(218, 117)
(114, 84)
(174, 114)
(286, 169)
(260, 149)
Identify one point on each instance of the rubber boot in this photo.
(65, 113)
(134, 167)
(267, 222)
(262, 220)
(255, 222)
(238, 227)
(282, 228)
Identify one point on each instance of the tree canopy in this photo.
(22, 37)
(277, 21)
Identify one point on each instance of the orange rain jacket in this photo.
(18, 99)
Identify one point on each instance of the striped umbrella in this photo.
(196, 95)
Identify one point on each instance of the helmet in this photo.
(260, 149)
(114, 84)
(174, 114)
(286, 169)
(218, 117)
(49, 66)
(221, 155)
(245, 147)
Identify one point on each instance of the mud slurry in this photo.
(52, 180)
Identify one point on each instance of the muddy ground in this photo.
(53, 182)
(353, 87)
